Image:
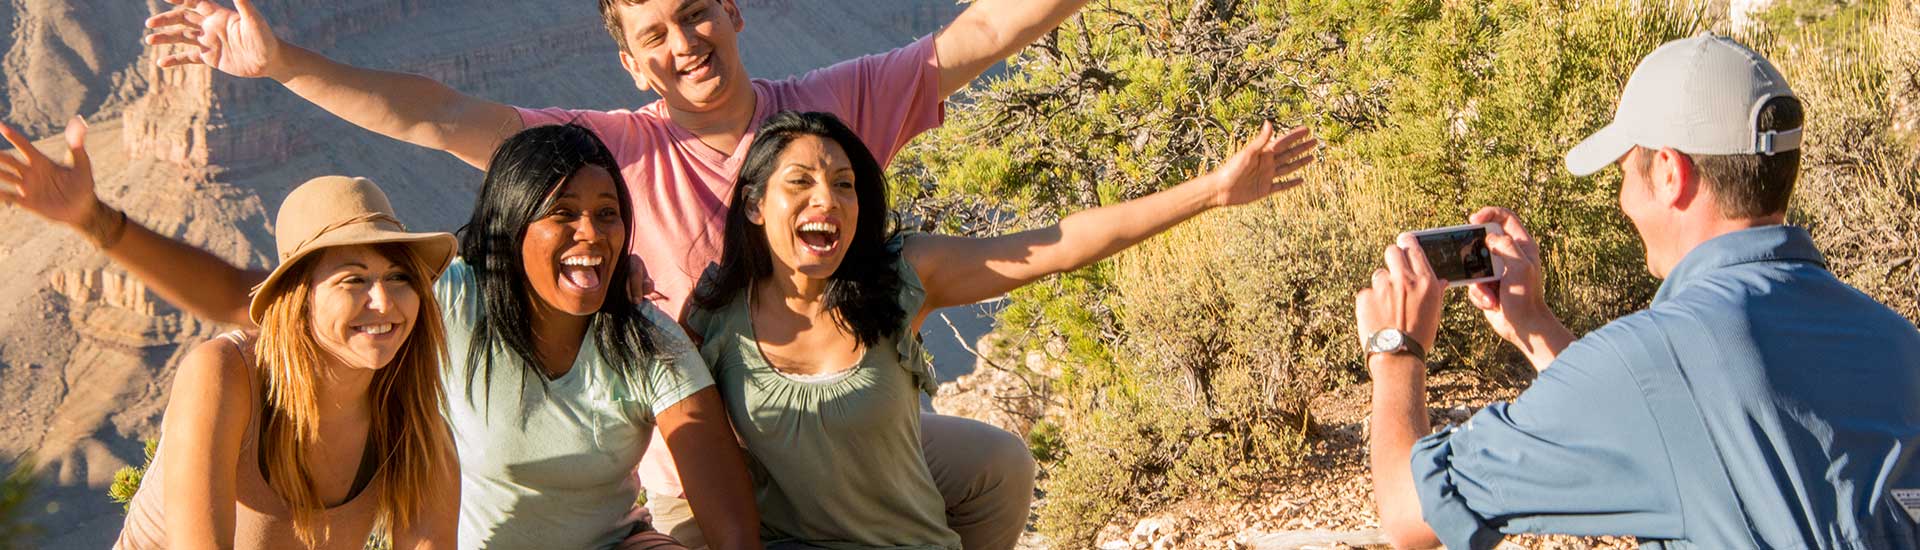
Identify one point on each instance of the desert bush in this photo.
(126, 481)
(1184, 364)
(16, 490)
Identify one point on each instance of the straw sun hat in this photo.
(337, 211)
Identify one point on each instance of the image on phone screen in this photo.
(1459, 255)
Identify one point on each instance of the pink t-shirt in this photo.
(680, 186)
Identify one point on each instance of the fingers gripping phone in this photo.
(1459, 254)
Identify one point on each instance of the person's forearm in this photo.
(993, 30)
(406, 107)
(1399, 420)
(1092, 235)
(713, 471)
(1543, 346)
(185, 276)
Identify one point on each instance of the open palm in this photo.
(62, 192)
(239, 43)
(1264, 166)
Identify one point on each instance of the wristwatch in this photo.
(1391, 340)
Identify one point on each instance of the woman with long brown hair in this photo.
(318, 429)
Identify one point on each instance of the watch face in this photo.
(1387, 340)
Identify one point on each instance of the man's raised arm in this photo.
(990, 31)
(402, 106)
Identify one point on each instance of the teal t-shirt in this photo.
(551, 468)
(837, 463)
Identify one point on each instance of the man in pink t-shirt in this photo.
(679, 156)
(680, 184)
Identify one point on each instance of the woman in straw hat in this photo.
(321, 427)
(556, 374)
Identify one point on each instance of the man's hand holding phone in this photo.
(1406, 296)
(1516, 305)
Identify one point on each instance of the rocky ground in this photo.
(1324, 502)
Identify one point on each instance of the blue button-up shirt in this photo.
(1758, 403)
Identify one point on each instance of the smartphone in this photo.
(1459, 254)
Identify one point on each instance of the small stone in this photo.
(1149, 529)
(1459, 413)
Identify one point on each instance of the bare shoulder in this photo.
(216, 370)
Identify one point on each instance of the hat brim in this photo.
(1599, 150)
(436, 249)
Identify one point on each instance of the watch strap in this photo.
(1407, 345)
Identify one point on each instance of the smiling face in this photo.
(810, 207)
(569, 250)
(363, 305)
(685, 50)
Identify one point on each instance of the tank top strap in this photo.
(243, 341)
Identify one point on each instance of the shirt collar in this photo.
(1773, 243)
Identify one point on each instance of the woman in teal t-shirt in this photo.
(811, 320)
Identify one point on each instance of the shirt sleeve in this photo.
(888, 98)
(1577, 453)
(457, 293)
(617, 129)
(683, 372)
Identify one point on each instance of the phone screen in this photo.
(1459, 255)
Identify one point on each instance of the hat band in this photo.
(1774, 141)
(363, 218)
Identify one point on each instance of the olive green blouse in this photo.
(836, 464)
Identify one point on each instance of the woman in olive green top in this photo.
(811, 319)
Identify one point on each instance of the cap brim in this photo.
(1599, 150)
(436, 249)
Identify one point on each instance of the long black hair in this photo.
(862, 294)
(524, 172)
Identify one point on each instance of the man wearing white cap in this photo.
(1759, 402)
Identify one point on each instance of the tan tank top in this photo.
(261, 518)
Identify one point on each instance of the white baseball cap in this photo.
(1701, 96)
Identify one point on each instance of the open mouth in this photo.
(820, 237)
(583, 272)
(375, 329)
(698, 68)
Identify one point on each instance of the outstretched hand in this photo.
(1263, 166)
(62, 192)
(239, 43)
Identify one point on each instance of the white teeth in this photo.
(819, 227)
(695, 65)
(581, 261)
(377, 329)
